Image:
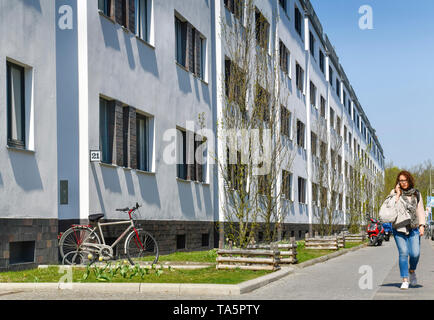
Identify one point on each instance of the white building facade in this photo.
(138, 81)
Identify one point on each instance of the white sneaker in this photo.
(404, 285)
(413, 279)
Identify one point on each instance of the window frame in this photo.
(106, 10)
(104, 131)
(302, 198)
(11, 142)
(139, 22)
(287, 181)
(298, 17)
(301, 140)
(145, 144)
(299, 77)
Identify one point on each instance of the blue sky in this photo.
(391, 69)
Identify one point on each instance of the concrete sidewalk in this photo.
(390, 289)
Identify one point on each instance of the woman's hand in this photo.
(421, 230)
(398, 191)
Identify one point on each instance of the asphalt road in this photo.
(370, 273)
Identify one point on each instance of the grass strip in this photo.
(205, 275)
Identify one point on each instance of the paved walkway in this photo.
(425, 276)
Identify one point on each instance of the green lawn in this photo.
(304, 254)
(194, 256)
(349, 245)
(207, 275)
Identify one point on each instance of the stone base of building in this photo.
(26, 243)
(288, 230)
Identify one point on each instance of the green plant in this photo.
(108, 272)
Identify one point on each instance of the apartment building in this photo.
(123, 81)
(323, 118)
(105, 101)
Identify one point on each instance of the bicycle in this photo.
(81, 244)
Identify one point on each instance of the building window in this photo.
(190, 54)
(190, 161)
(262, 28)
(332, 118)
(142, 138)
(21, 252)
(323, 107)
(180, 241)
(262, 104)
(331, 76)
(323, 196)
(284, 58)
(106, 121)
(301, 190)
(338, 125)
(235, 83)
(345, 134)
(323, 151)
(300, 133)
(313, 94)
(236, 171)
(299, 77)
(283, 4)
(182, 154)
(285, 126)
(314, 143)
(143, 18)
(104, 6)
(235, 7)
(298, 20)
(287, 184)
(338, 87)
(264, 184)
(205, 239)
(321, 61)
(315, 194)
(16, 119)
(181, 41)
(312, 44)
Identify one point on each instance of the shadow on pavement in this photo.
(398, 285)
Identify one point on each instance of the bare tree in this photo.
(328, 179)
(250, 126)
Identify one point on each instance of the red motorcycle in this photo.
(375, 232)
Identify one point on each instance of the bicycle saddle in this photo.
(95, 217)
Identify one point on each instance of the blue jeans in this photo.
(407, 245)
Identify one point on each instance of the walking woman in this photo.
(408, 201)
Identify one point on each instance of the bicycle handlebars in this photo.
(137, 206)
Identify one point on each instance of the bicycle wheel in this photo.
(143, 248)
(72, 240)
(74, 258)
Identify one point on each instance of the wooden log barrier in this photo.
(248, 259)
